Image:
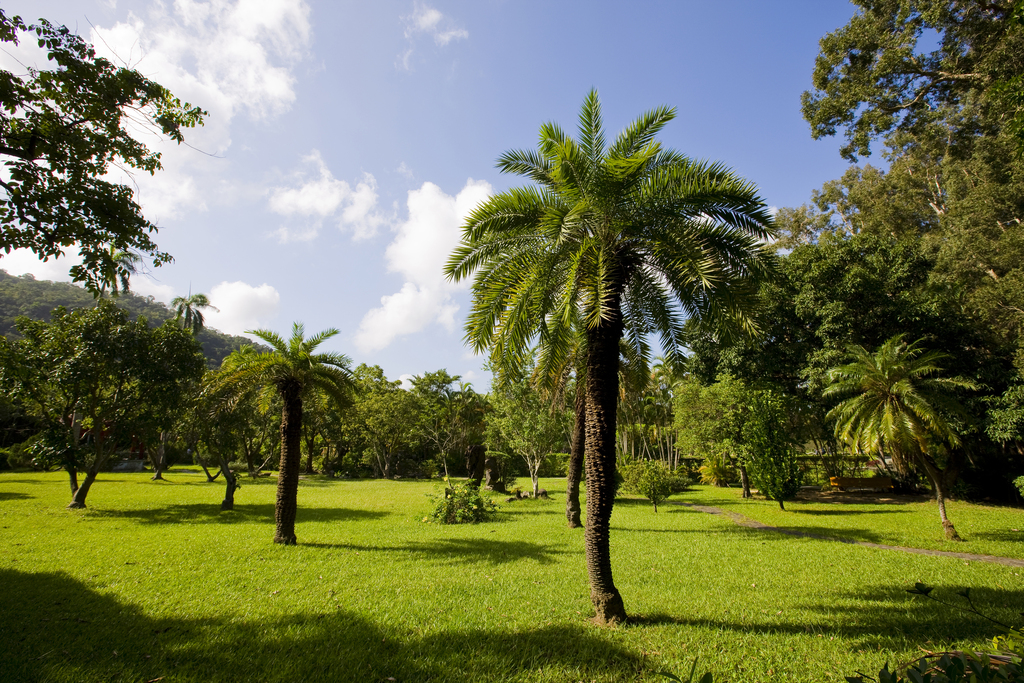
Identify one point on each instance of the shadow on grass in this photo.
(796, 509)
(463, 551)
(210, 513)
(13, 495)
(874, 617)
(56, 628)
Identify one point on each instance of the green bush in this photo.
(652, 479)
(461, 504)
(717, 471)
(770, 458)
(1019, 483)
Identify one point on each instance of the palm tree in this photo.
(630, 240)
(188, 311)
(897, 404)
(116, 269)
(293, 368)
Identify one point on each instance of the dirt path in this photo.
(754, 524)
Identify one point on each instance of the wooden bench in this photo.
(843, 483)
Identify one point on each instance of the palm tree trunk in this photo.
(575, 468)
(939, 481)
(291, 461)
(602, 397)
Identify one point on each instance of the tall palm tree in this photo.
(188, 311)
(898, 404)
(293, 368)
(630, 240)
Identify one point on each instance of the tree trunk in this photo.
(291, 461)
(159, 462)
(230, 486)
(940, 480)
(72, 477)
(602, 397)
(78, 500)
(575, 469)
(744, 480)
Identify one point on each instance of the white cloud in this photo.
(428, 20)
(144, 285)
(406, 381)
(225, 56)
(24, 261)
(419, 252)
(242, 306)
(320, 195)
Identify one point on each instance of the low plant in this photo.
(460, 504)
(652, 479)
(1001, 665)
(1019, 483)
(717, 471)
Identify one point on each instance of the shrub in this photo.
(461, 504)
(1019, 483)
(650, 478)
(717, 471)
(771, 459)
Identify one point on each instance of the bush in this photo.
(1019, 483)
(717, 471)
(771, 459)
(461, 504)
(652, 479)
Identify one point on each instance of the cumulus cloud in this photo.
(426, 20)
(242, 307)
(319, 196)
(226, 56)
(418, 252)
(25, 262)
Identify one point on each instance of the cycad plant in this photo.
(615, 241)
(898, 403)
(293, 368)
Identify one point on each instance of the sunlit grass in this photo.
(156, 573)
(985, 529)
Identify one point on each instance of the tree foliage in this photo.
(61, 131)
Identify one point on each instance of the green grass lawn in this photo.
(153, 582)
(985, 529)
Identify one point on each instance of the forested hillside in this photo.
(35, 299)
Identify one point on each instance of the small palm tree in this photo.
(116, 269)
(898, 404)
(627, 240)
(188, 311)
(293, 368)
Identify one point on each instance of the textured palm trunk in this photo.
(940, 480)
(291, 461)
(575, 469)
(602, 397)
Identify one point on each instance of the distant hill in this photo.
(32, 298)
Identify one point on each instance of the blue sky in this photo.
(346, 140)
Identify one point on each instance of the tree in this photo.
(452, 414)
(873, 78)
(652, 479)
(898, 404)
(628, 239)
(387, 417)
(527, 424)
(96, 380)
(293, 368)
(769, 448)
(60, 132)
(188, 311)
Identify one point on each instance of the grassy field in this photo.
(153, 582)
(906, 521)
